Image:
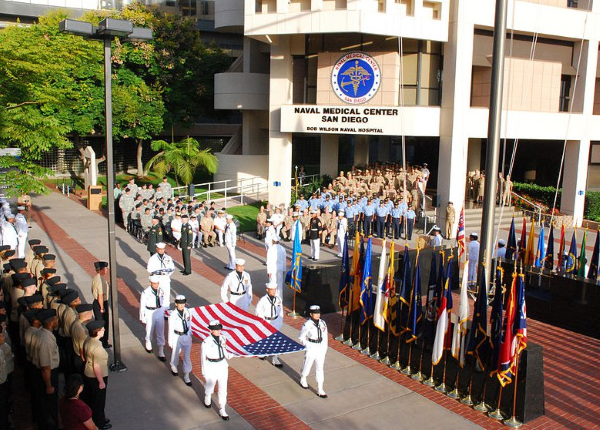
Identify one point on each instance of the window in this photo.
(565, 93)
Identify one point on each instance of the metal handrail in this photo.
(537, 207)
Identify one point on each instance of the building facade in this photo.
(351, 79)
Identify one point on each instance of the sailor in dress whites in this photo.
(314, 337)
(270, 308)
(473, 251)
(237, 286)
(276, 265)
(215, 367)
(342, 228)
(230, 241)
(161, 265)
(180, 338)
(270, 234)
(22, 231)
(501, 251)
(152, 314)
(437, 240)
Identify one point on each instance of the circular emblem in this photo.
(356, 77)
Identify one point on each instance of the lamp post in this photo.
(107, 30)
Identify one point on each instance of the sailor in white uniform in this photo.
(180, 338)
(314, 337)
(161, 265)
(215, 367)
(501, 252)
(270, 308)
(230, 240)
(473, 250)
(276, 265)
(152, 314)
(237, 286)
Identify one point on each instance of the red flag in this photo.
(561, 247)
(523, 241)
(460, 234)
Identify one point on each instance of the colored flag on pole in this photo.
(390, 307)
(378, 319)
(582, 256)
(523, 241)
(296, 270)
(247, 335)
(439, 288)
(571, 263)
(496, 319)
(431, 311)
(460, 327)
(595, 261)
(366, 291)
(561, 249)
(540, 253)
(405, 290)
(358, 259)
(344, 277)
(478, 337)
(549, 260)
(460, 233)
(511, 244)
(444, 313)
(415, 315)
(529, 252)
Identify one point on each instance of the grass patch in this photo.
(246, 215)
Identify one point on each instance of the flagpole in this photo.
(513, 421)
(497, 414)
(430, 382)
(442, 387)
(419, 376)
(468, 400)
(376, 355)
(348, 342)
(358, 346)
(340, 338)
(386, 359)
(407, 370)
(482, 406)
(454, 394)
(294, 314)
(367, 350)
(396, 365)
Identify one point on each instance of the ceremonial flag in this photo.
(390, 307)
(511, 244)
(345, 277)
(378, 319)
(549, 260)
(478, 338)
(523, 241)
(246, 334)
(358, 259)
(529, 252)
(460, 234)
(439, 288)
(430, 312)
(595, 261)
(496, 319)
(460, 328)
(561, 249)
(540, 253)
(416, 309)
(296, 271)
(405, 291)
(366, 292)
(582, 256)
(444, 313)
(571, 264)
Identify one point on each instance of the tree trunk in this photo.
(140, 166)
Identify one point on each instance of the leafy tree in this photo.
(183, 158)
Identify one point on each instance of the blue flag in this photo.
(477, 344)
(345, 277)
(593, 271)
(571, 262)
(496, 320)
(405, 291)
(296, 272)
(366, 290)
(540, 255)
(416, 309)
(549, 261)
(511, 245)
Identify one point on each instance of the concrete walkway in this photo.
(148, 397)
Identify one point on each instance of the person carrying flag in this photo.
(237, 286)
(314, 337)
(180, 338)
(270, 308)
(215, 367)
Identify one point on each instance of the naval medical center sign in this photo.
(355, 79)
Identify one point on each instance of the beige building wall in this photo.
(596, 110)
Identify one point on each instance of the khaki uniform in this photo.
(286, 231)
(450, 216)
(261, 218)
(207, 229)
(95, 354)
(100, 286)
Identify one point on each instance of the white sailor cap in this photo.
(269, 220)
(295, 214)
(312, 211)
(436, 228)
(271, 285)
(341, 213)
(20, 208)
(275, 239)
(474, 235)
(180, 298)
(240, 262)
(315, 309)
(229, 216)
(9, 216)
(501, 242)
(161, 245)
(154, 279)
(215, 325)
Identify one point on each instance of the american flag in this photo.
(460, 234)
(246, 334)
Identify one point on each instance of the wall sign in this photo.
(356, 78)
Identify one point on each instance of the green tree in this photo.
(183, 158)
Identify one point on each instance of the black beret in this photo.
(36, 298)
(47, 270)
(46, 314)
(53, 280)
(6, 267)
(94, 325)
(69, 298)
(18, 263)
(62, 292)
(32, 314)
(84, 307)
(100, 265)
(28, 282)
(40, 249)
(49, 257)
(4, 248)
(33, 242)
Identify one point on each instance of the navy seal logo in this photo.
(356, 78)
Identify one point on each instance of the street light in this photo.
(107, 30)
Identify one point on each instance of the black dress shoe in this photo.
(163, 359)
(186, 274)
(323, 396)
(149, 351)
(174, 373)
(189, 384)
(105, 426)
(225, 417)
(107, 346)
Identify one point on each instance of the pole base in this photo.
(407, 370)
(366, 351)
(376, 356)
(468, 400)
(117, 366)
(513, 422)
(385, 360)
(396, 366)
(357, 347)
(441, 388)
(348, 342)
(497, 415)
(454, 394)
(430, 382)
(293, 314)
(482, 407)
(417, 376)
(340, 338)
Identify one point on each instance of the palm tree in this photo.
(183, 158)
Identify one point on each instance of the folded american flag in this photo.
(247, 335)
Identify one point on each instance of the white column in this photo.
(280, 144)
(361, 150)
(458, 59)
(329, 155)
